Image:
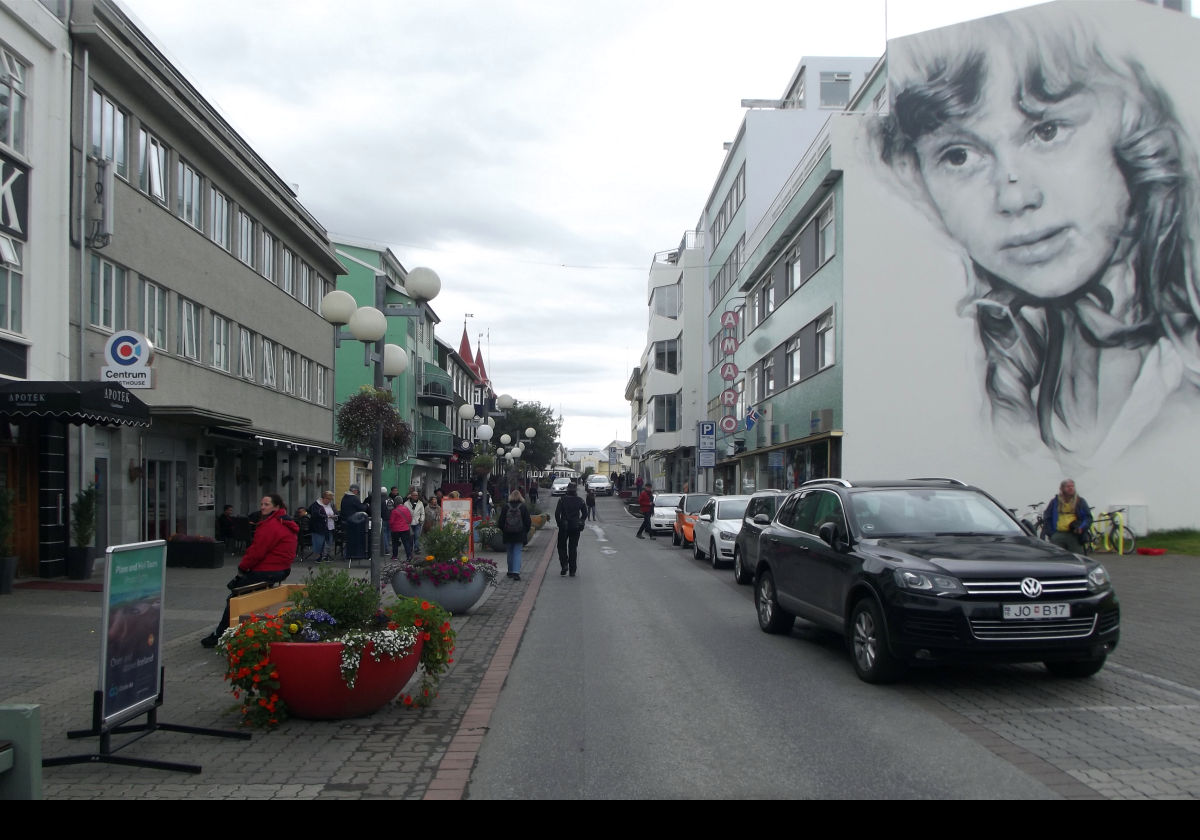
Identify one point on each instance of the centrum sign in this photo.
(128, 356)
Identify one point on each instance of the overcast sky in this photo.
(535, 154)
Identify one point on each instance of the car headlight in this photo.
(1098, 578)
(728, 535)
(928, 583)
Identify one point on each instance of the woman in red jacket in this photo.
(269, 557)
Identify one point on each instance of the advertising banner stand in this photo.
(131, 670)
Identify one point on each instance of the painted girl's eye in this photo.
(1046, 132)
(955, 156)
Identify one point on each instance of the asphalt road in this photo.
(647, 677)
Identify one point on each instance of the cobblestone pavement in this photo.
(52, 656)
(1133, 731)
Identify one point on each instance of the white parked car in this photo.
(717, 528)
(600, 485)
(663, 517)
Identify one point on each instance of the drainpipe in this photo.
(85, 121)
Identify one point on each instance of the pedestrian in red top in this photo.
(646, 504)
(269, 557)
(400, 524)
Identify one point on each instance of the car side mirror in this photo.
(762, 519)
(704, 517)
(830, 533)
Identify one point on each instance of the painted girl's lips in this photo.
(1036, 247)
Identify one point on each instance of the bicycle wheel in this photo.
(1126, 544)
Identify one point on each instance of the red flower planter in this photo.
(310, 679)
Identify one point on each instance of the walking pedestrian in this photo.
(514, 522)
(417, 508)
(269, 557)
(590, 501)
(400, 524)
(570, 515)
(323, 520)
(646, 505)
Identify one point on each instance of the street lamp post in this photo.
(368, 324)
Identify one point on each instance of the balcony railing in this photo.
(434, 385)
(433, 438)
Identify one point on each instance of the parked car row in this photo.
(923, 570)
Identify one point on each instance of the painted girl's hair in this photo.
(941, 78)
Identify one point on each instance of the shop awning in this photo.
(86, 403)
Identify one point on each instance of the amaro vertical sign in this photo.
(127, 359)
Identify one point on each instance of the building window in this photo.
(287, 268)
(188, 196)
(666, 355)
(303, 379)
(189, 330)
(152, 166)
(768, 376)
(11, 281)
(665, 301)
(245, 239)
(816, 245)
(109, 139)
(268, 363)
(12, 101)
(108, 295)
(154, 313)
(304, 284)
(289, 372)
(835, 90)
(220, 343)
(792, 353)
(246, 354)
(752, 308)
(755, 393)
(267, 257)
(219, 216)
(825, 347)
(320, 385)
(826, 240)
(664, 412)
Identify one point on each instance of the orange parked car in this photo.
(686, 512)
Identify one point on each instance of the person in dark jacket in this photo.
(570, 515)
(514, 534)
(269, 557)
(590, 501)
(322, 525)
(646, 506)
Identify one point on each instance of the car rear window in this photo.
(731, 510)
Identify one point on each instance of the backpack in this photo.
(513, 522)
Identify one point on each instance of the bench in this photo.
(260, 599)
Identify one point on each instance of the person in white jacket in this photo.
(418, 518)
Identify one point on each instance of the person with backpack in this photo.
(570, 515)
(514, 523)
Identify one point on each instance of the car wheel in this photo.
(739, 570)
(1076, 669)
(873, 659)
(696, 552)
(771, 617)
(674, 537)
(713, 557)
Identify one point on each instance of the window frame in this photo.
(220, 210)
(220, 343)
(152, 149)
(186, 176)
(154, 319)
(245, 238)
(107, 294)
(269, 379)
(190, 330)
(12, 293)
(246, 354)
(266, 257)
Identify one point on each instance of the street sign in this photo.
(708, 459)
(706, 431)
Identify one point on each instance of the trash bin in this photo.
(356, 536)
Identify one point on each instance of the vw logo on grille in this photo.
(1031, 587)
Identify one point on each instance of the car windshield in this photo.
(732, 509)
(694, 502)
(923, 511)
(561, 482)
(667, 499)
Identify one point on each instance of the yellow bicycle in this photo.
(1110, 533)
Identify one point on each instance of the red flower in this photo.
(424, 605)
(417, 622)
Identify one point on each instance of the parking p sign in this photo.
(706, 431)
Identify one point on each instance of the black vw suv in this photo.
(930, 570)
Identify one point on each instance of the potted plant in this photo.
(445, 574)
(366, 412)
(193, 551)
(83, 528)
(491, 536)
(483, 463)
(337, 652)
(8, 563)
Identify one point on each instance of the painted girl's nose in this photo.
(1015, 195)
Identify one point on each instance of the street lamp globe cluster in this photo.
(507, 448)
(368, 324)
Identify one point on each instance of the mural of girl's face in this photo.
(1030, 189)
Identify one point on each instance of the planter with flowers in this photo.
(337, 652)
(445, 574)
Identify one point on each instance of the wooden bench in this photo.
(259, 599)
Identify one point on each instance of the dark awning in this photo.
(89, 403)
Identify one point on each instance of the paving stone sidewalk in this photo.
(51, 659)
